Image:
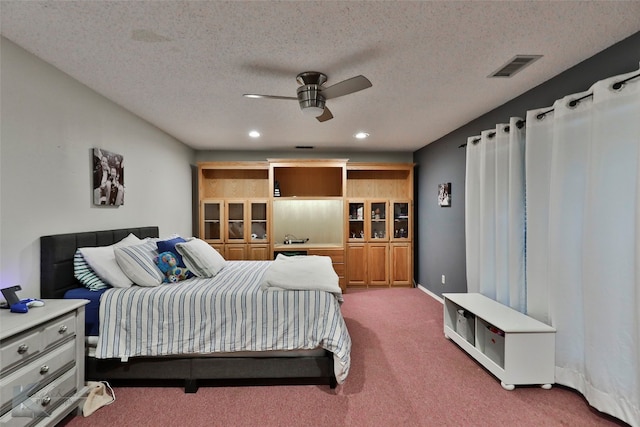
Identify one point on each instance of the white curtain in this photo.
(583, 244)
(494, 217)
(571, 259)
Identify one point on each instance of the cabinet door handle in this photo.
(46, 400)
(44, 369)
(23, 348)
(62, 329)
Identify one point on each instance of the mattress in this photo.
(91, 318)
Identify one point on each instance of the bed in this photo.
(221, 363)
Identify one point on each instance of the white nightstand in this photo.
(42, 363)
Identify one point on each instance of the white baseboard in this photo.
(431, 294)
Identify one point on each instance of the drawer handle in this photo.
(44, 369)
(46, 400)
(23, 349)
(62, 329)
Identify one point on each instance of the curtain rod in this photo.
(616, 86)
(520, 123)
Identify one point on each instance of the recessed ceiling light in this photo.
(254, 134)
(361, 135)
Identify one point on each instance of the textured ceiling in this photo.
(184, 65)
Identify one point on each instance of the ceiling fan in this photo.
(312, 95)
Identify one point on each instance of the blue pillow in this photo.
(170, 246)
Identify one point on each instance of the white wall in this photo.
(49, 124)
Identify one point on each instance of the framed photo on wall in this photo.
(108, 178)
(444, 195)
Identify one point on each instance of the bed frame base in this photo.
(216, 371)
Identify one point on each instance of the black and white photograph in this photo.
(108, 178)
(444, 194)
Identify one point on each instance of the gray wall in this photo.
(50, 123)
(440, 247)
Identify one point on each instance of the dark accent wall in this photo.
(440, 245)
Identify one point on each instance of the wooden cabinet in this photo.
(247, 209)
(42, 363)
(401, 220)
(401, 265)
(248, 251)
(379, 224)
(378, 264)
(235, 252)
(234, 208)
(238, 229)
(357, 264)
(211, 217)
(258, 252)
(373, 225)
(368, 264)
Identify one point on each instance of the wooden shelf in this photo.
(309, 179)
(374, 180)
(233, 180)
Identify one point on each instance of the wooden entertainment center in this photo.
(359, 214)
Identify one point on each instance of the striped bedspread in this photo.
(229, 312)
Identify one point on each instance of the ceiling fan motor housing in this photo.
(311, 100)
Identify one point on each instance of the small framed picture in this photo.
(444, 195)
(108, 178)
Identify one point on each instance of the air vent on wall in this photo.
(304, 147)
(514, 65)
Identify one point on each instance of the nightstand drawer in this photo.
(24, 347)
(59, 330)
(42, 403)
(35, 373)
(20, 348)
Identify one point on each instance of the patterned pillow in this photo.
(201, 258)
(137, 262)
(85, 274)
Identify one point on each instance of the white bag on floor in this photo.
(100, 394)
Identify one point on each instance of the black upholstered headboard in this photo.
(56, 255)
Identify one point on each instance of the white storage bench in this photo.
(512, 346)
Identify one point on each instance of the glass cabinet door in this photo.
(378, 220)
(356, 221)
(401, 220)
(258, 212)
(235, 222)
(211, 221)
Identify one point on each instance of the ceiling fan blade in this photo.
(255, 95)
(345, 87)
(326, 115)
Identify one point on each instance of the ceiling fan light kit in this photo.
(311, 100)
(312, 95)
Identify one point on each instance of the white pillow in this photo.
(201, 258)
(102, 261)
(138, 263)
(131, 239)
